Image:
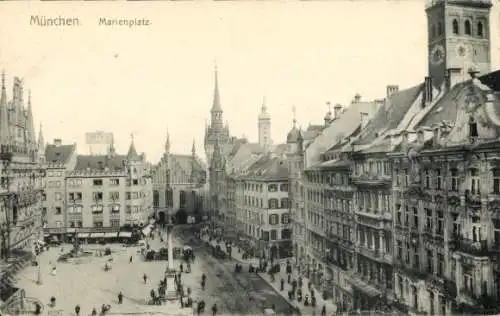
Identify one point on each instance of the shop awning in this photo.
(96, 235)
(111, 235)
(83, 235)
(125, 234)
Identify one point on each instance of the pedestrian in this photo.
(181, 267)
(313, 301)
(214, 309)
(323, 310)
(94, 312)
(306, 300)
(130, 260)
(145, 277)
(282, 284)
(289, 277)
(120, 298)
(38, 308)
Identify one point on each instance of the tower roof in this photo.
(264, 115)
(216, 107)
(132, 152)
(4, 127)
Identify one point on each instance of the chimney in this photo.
(357, 98)
(453, 77)
(364, 119)
(337, 110)
(57, 142)
(391, 89)
(427, 98)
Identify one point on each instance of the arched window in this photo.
(433, 31)
(472, 127)
(455, 27)
(480, 29)
(440, 29)
(467, 28)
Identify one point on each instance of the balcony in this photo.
(444, 286)
(413, 273)
(375, 254)
(474, 248)
(371, 179)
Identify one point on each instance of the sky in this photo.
(145, 80)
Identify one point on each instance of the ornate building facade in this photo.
(178, 181)
(400, 195)
(95, 194)
(22, 174)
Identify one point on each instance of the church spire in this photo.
(4, 119)
(167, 143)
(193, 149)
(41, 145)
(132, 152)
(31, 141)
(216, 107)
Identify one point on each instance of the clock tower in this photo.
(458, 37)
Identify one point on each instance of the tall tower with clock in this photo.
(458, 37)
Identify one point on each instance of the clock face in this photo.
(462, 50)
(437, 55)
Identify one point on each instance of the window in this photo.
(430, 266)
(286, 233)
(438, 179)
(114, 196)
(454, 180)
(273, 219)
(440, 267)
(407, 177)
(456, 225)
(400, 249)
(496, 180)
(284, 187)
(273, 203)
(472, 127)
(75, 196)
(480, 30)
(97, 196)
(98, 224)
(115, 208)
(272, 188)
(97, 209)
(427, 176)
(72, 224)
(415, 218)
(440, 223)
(455, 27)
(285, 218)
(97, 182)
(398, 215)
(468, 282)
(79, 224)
(70, 209)
(265, 236)
(467, 28)
(114, 182)
(58, 224)
(44, 197)
(428, 220)
(128, 209)
(274, 234)
(57, 196)
(474, 182)
(285, 203)
(135, 182)
(115, 223)
(58, 210)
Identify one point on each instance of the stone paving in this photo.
(331, 307)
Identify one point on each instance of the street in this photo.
(85, 282)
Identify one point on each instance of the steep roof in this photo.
(132, 152)
(186, 162)
(59, 153)
(113, 162)
(389, 116)
(268, 169)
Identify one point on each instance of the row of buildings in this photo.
(392, 201)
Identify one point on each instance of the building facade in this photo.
(401, 205)
(96, 193)
(22, 174)
(178, 182)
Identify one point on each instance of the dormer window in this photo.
(467, 28)
(472, 127)
(455, 27)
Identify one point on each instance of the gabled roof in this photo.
(59, 153)
(268, 169)
(186, 162)
(390, 115)
(96, 162)
(345, 141)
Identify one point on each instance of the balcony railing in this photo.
(371, 179)
(475, 248)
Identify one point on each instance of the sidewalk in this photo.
(304, 310)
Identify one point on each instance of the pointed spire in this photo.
(263, 111)
(112, 149)
(193, 149)
(4, 119)
(167, 143)
(216, 107)
(41, 144)
(294, 112)
(30, 125)
(132, 152)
